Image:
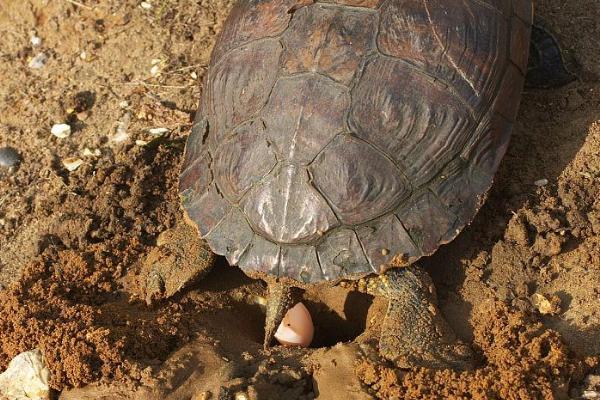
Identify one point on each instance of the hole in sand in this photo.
(338, 315)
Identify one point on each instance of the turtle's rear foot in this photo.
(179, 259)
(414, 333)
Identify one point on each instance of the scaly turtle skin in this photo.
(334, 136)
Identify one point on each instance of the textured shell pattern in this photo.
(335, 135)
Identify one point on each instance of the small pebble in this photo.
(9, 157)
(155, 70)
(38, 61)
(121, 133)
(546, 305)
(82, 116)
(541, 182)
(26, 377)
(35, 41)
(141, 143)
(158, 131)
(241, 396)
(61, 131)
(71, 164)
(145, 5)
(157, 64)
(89, 153)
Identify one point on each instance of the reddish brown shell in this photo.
(333, 135)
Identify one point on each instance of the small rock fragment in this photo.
(35, 40)
(83, 115)
(158, 131)
(89, 153)
(591, 387)
(71, 164)
(241, 396)
(541, 182)
(145, 5)
(156, 67)
(546, 305)
(61, 131)
(9, 157)
(38, 61)
(121, 134)
(590, 395)
(26, 378)
(141, 143)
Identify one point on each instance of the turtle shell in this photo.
(334, 135)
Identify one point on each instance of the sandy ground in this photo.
(522, 283)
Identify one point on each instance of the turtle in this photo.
(344, 140)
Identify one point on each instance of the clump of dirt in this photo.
(522, 360)
(70, 300)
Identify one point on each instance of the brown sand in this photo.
(74, 244)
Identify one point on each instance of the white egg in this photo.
(297, 328)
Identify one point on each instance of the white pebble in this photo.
(71, 164)
(241, 396)
(26, 378)
(36, 41)
(158, 131)
(141, 143)
(297, 328)
(38, 61)
(121, 133)
(89, 153)
(145, 5)
(194, 75)
(541, 182)
(155, 70)
(591, 394)
(61, 131)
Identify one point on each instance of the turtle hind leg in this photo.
(414, 333)
(179, 259)
(546, 68)
(281, 298)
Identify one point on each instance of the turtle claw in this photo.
(414, 333)
(281, 298)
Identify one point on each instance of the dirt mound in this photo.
(522, 360)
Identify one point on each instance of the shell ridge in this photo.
(446, 50)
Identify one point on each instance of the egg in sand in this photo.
(297, 328)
